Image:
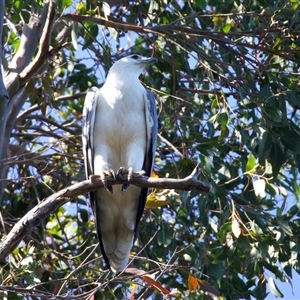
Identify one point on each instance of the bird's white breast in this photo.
(121, 121)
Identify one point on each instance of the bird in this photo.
(119, 134)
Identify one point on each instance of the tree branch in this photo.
(102, 21)
(49, 205)
(38, 31)
(3, 91)
(33, 293)
(43, 53)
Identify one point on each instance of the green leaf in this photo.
(74, 39)
(293, 98)
(200, 3)
(165, 235)
(17, 5)
(265, 93)
(250, 163)
(81, 7)
(256, 229)
(294, 210)
(92, 35)
(285, 227)
(274, 289)
(222, 118)
(290, 138)
(264, 146)
(66, 3)
(273, 113)
(226, 28)
(277, 158)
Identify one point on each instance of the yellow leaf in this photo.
(193, 283)
(153, 174)
(218, 19)
(153, 202)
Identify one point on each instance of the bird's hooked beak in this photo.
(149, 60)
(153, 60)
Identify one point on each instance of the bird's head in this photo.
(132, 64)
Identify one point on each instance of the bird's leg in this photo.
(102, 176)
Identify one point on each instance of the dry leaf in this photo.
(154, 175)
(155, 285)
(192, 283)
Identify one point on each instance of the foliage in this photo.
(227, 81)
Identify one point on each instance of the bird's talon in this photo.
(130, 174)
(113, 174)
(109, 189)
(125, 187)
(109, 173)
(121, 171)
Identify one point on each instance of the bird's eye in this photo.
(135, 56)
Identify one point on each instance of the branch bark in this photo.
(43, 53)
(3, 91)
(49, 205)
(36, 32)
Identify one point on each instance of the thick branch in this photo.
(38, 30)
(28, 43)
(48, 206)
(33, 293)
(43, 52)
(3, 92)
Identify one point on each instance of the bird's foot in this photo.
(130, 173)
(102, 176)
(122, 171)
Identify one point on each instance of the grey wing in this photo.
(88, 117)
(88, 121)
(151, 146)
(150, 153)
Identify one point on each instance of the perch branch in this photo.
(49, 205)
